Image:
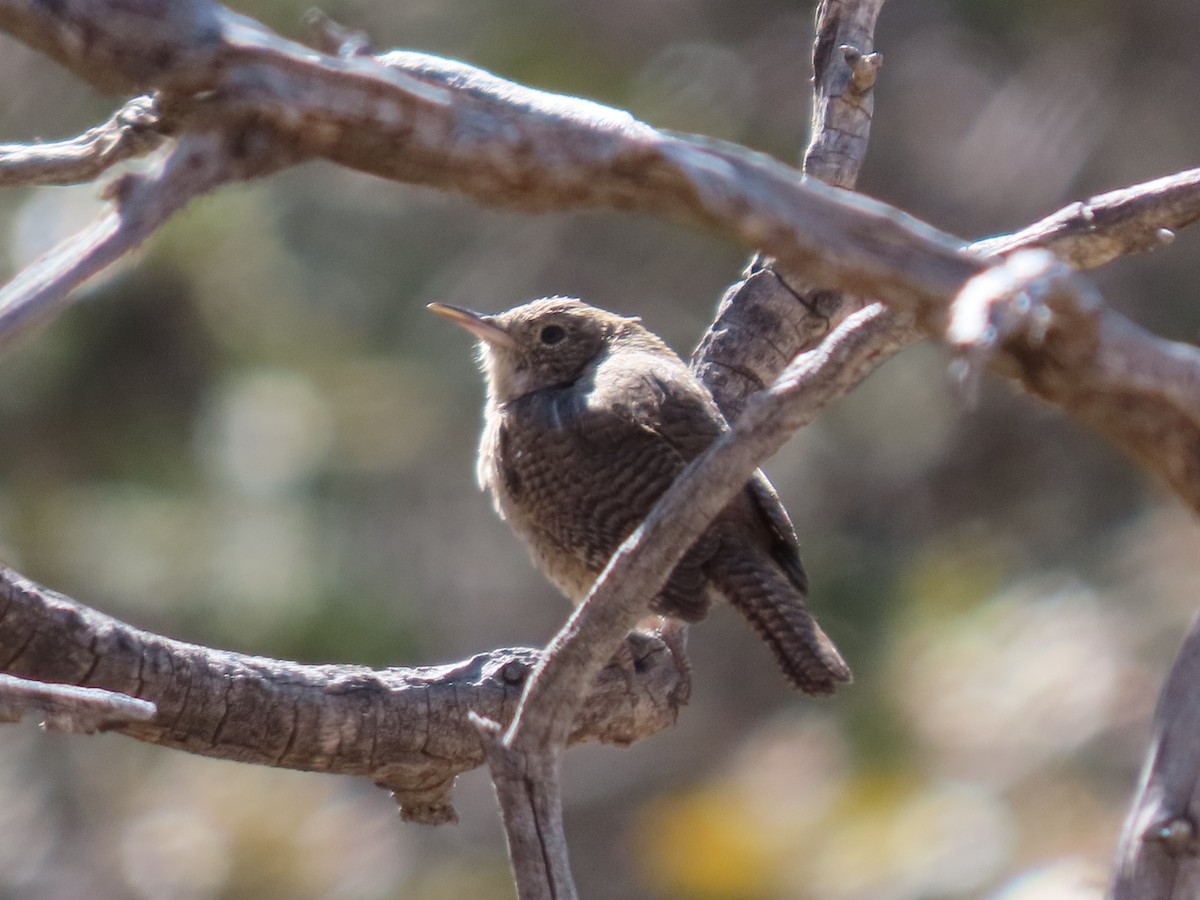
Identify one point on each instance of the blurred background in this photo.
(253, 436)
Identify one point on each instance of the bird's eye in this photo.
(552, 334)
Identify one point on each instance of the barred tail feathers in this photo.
(773, 605)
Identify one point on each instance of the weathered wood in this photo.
(1158, 857)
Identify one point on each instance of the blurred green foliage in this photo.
(251, 435)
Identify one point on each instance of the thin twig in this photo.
(65, 707)
(141, 203)
(132, 131)
(1098, 230)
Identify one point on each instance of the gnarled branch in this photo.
(405, 728)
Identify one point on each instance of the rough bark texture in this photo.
(405, 728)
(1159, 853)
(768, 318)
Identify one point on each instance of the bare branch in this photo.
(762, 322)
(530, 797)
(1082, 235)
(426, 120)
(132, 131)
(766, 319)
(1159, 372)
(1032, 320)
(1096, 231)
(469, 131)
(844, 70)
(141, 203)
(1159, 852)
(65, 707)
(405, 728)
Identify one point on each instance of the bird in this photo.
(589, 417)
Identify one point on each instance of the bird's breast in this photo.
(529, 463)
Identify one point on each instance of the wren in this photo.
(589, 418)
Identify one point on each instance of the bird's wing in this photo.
(690, 421)
(680, 410)
(785, 546)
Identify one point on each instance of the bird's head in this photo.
(544, 343)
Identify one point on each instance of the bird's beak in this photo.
(483, 327)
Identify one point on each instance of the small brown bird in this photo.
(589, 419)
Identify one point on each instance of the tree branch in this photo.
(405, 728)
(429, 121)
(1031, 320)
(767, 319)
(64, 707)
(425, 120)
(1098, 230)
(141, 203)
(132, 131)
(844, 71)
(1159, 852)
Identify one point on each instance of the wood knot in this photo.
(864, 67)
(514, 671)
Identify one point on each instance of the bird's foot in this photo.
(633, 656)
(673, 633)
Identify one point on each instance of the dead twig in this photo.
(140, 204)
(132, 131)
(1098, 230)
(65, 707)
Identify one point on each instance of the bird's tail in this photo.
(778, 611)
